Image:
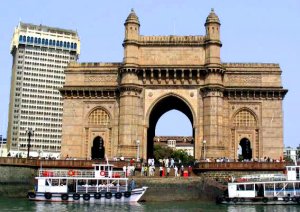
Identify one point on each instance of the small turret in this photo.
(212, 39)
(212, 26)
(132, 26)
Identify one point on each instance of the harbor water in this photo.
(24, 205)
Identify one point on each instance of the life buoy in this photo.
(64, 196)
(275, 198)
(108, 195)
(102, 173)
(294, 199)
(286, 199)
(86, 197)
(97, 195)
(31, 195)
(71, 173)
(118, 195)
(76, 196)
(48, 195)
(45, 173)
(265, 200)
(127, 194)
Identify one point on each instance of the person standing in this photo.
(182, 170)
(160, 171)
(176, 171)
(168, 171)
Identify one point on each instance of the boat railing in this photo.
(261, 178)
(78, 173)
(100, 188)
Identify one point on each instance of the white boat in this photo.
(102, 184)
(264, 189)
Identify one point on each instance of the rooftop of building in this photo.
(45, 28)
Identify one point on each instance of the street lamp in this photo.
(138, 149)
(204, 143)
(29, 132)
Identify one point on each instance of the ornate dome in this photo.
(212, 18)
(132, 18)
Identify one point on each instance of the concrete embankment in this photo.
(179, 189)
(16, 181)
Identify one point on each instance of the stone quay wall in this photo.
(16, 181)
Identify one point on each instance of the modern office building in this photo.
(40, 55)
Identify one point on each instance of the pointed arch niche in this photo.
(98, 124)
(245, 126)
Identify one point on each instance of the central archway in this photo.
(162, 106)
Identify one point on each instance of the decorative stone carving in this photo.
(100, 78)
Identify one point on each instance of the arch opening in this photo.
(246, 152)
(98, 149)
(163, 106)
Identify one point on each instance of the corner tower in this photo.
(213, 89)
(130, 108)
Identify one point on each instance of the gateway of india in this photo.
(111, 109)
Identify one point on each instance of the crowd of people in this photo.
(166, 167)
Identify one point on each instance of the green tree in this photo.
(161, 152)
(183, 156)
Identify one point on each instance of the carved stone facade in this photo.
(228, 104)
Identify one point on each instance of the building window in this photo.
(244, 118)
(99, 117)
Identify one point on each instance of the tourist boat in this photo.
(101, 184)
(264, 189)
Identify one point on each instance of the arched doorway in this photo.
(164, 105)
(98, 149)
(246, 149)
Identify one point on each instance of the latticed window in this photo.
(99, 117)
(244, 119)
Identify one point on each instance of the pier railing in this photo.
(199, 167)
(38, 163)
(236, 166)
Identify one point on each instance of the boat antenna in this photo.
(106, 158)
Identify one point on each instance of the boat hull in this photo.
(259, 201)
(135, 196)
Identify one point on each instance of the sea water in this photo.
(24, 205)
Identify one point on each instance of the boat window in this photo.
(97, 168)
(240, 187)
(46, 183)
(55, 182)
(289, 168)
(249, 187)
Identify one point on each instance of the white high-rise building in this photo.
(40, 55)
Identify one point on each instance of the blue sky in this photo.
(251, 31)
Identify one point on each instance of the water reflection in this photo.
(263, 208)
(64, 207)
(7, 204)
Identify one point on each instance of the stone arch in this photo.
(98, 116)
(244, 117)
(245, 133)
(169, 95)
(158, 108)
